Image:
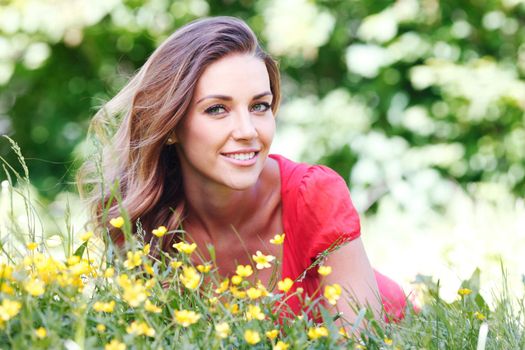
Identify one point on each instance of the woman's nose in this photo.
(243, 127)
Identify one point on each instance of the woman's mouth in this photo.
(241, 156)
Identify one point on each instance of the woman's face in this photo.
(225, 138)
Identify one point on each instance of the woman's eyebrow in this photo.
(229, 98)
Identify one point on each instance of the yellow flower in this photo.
(317, 332)
(234, 308)
(86, 236)
(204, 268)
(281, 346)
(160, 231)
(359, 346)
(236, 279)
(35, 287)
(332, 293)
(117, 222)
(186, 318)
(40, 333)
(388, 341)
(343, 332)
(254, 293)
(134, 292)
(134, 259)
(31, 245)
(464, 291)
(254, 313)
(9, 309)
(104, 307)
(175, 264)
(190, 278)
(239, 294)
(223, 287)
(263, 261)
(101, 328)
(185, 247)
(149, 306)
(479, 316)
(244, 271)
(262, 288)
(146, 249)
(140, 328)
(324, 270)
(110, 272)
(272, 334)
(285, 285)
(149, 269)
(277, 239)
(115, 345)
(222, 330)
(252, 337)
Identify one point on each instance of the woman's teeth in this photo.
(241, 156)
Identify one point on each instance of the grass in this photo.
(94, 296)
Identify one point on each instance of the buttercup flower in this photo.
(254, 293)
(134, 259)
(101, 328)
(263, 261)
(175, 264)
(204, 268)
(343, 332)
(236, 279)
(117, 222)
(324, 270)
(160, 231)
(185, 248)
(285, 285)
(31, 245)
(104, 307)
(388, 341)
(190, 278)
(254, 313)
(272, 334)
(40, 333)
(140, 328)
(479, 316)
(35, 287)
(86, 236)
(222, 330)
(115, 345)
(464, 291)
(110, 272)
(317, 332)
(186, 318)
(332, 293)
(9, 309)
(244, 271)
(278, 239)
(252, 337)
(149, 306)
(281, 346)
(223, 287)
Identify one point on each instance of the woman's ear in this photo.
(172, 138)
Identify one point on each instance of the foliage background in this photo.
(419, 105)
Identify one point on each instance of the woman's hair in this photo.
(132, 128)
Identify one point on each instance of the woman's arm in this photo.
(353, 272)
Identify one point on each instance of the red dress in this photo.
(317, 212)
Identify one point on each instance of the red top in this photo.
(317, 213)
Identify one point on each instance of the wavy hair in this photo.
(133, 127)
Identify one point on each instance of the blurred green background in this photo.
(419, 105)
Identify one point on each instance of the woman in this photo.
(188, 140)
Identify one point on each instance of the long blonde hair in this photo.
(133, 127)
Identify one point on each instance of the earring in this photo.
(169, 141)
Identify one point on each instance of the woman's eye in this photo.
(214, 110)
(261, 107)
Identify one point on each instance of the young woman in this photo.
(188, 140)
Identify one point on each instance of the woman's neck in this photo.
(218, 210)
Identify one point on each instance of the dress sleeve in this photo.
(327, 216)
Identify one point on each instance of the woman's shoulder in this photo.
(304, 176)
